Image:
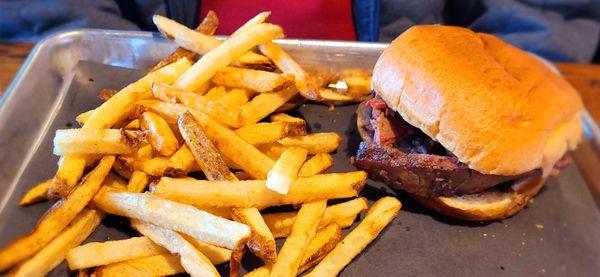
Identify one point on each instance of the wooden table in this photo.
(584, 77)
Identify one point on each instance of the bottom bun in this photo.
(492, 204)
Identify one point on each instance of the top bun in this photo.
(497, 108)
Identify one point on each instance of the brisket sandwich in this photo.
(467, 124)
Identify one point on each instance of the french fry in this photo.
(315, 143)
(102, 253)
(296, 125)
(285, 170)
(253, 193)
(291, 104)
(378, 216)
(160, 135)
(257, 19)
(153, 167)
(324, 76)
(264, 104)
(109, 113)
(235, 98)
(36, 194)
(192, 260)
(106, 94)
(263, 132)
(215, 93)
(121, 168)
(323, 242)
(208, 26)
(203, 150)
(287, 64)
(230, 145)
(272, 150)
(83, 117)
(54, 253)
(200, 43)
(250, 79)
(227, 116)
(159, 265)
(318, 164)
(342, 214)
(138, 181)
(216, 255)
(169, 111)
(56, 219)
(114, 181)
(295, 246)
(358, 85)
(95, 141)
(181, 163)
(227, 52)
(175, 216)
(334, 96)
(262, 242)
(132, 125)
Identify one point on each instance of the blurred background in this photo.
(559, 30)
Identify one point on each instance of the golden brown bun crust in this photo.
(488, 205)
(492, 105)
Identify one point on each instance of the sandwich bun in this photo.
(495, 107)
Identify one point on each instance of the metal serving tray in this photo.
(558, 234)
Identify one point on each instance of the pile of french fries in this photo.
(191, 154)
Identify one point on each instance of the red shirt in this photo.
(310, 19)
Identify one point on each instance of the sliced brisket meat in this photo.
(404, 157)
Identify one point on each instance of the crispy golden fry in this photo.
(262, 242)
(83, 273)
(315, 143)
(291, 104)
(295, 246)
(201, 43)
(253, 193)
(323, 242)
(83, 117)
(241, 175)
(192, 260)
(54, 253)
(337, 97)
(203, 150)
(160, 135)
(216, 255)
(250, 79)
(181, 163)
(159, 265)
(230, 145)
(342, 214)
(272, 150)
(208, 26)
(227, 52)
(215, 93)
(235, 98)
(227, 116)
(264, 104)
(153, 167)
(102, 253)
(263, 132)
(95, 141)
(285, 170)
(324, 76)
(287, 64)
(138, 181)
(297, 126)
(169, 111)
(144, 152)
(172, 215)
(122, 169)
(56, 219)
(36, 194)
(358, 85)
(379, 215)
(255, 61)
(114, 181)
(132, 125)
(109, 113)
(318, 164)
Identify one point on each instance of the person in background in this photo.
(559, 30)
